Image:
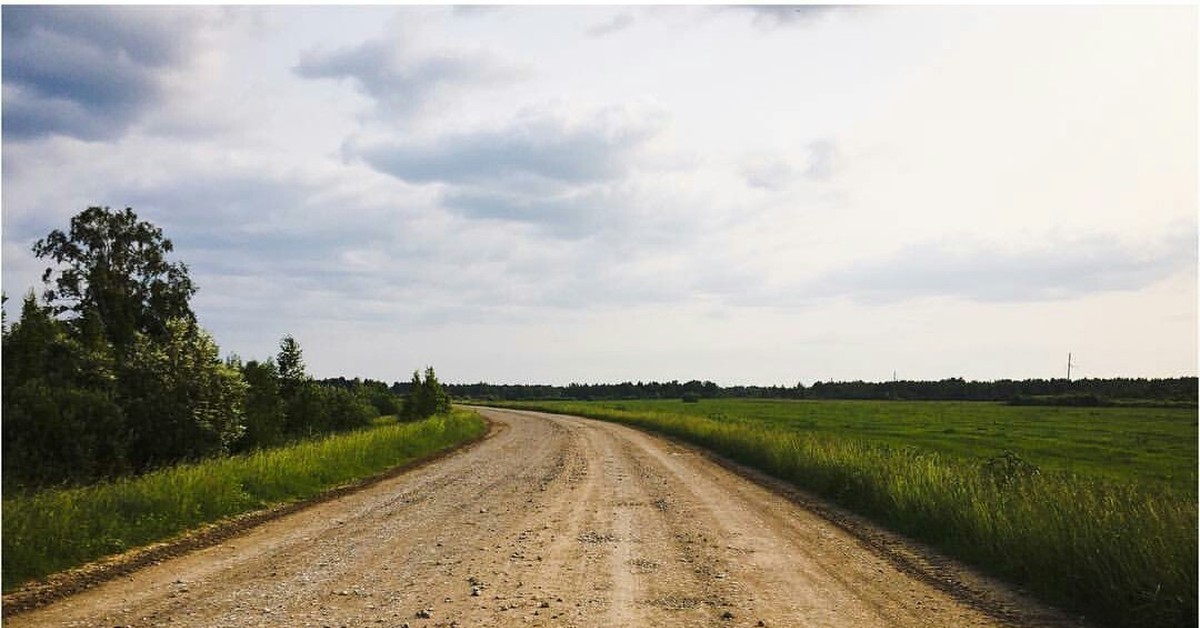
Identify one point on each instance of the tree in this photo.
(415, 402)
(113, 266)
(345, 410)
(378, 395)
(264, 406)
(291, 367)
(425, 398)
(59, 414)
(182, 401)
(304, 406)
(438, 400)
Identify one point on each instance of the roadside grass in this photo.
(58, 529)
(1120, 549)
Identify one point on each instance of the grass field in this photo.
(1150, 445)
(58, 529)
(1092, 509)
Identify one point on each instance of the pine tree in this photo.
(436, 398)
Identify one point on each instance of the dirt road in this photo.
(553, 521)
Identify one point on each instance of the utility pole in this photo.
(1068, 366)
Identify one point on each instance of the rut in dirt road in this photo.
(553, 521)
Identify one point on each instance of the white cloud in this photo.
(1053, 269)
(616, 23)
(565, 173)
(779, 15)
(403, 80)
(565, 193)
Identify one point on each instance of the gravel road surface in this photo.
(551, 521)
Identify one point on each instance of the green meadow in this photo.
(1156, 446)
(1091, 509)
(57, 529)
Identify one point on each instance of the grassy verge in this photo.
(55, 530)
(1121, 553)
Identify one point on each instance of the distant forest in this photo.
(1173, 391)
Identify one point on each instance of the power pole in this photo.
(1068, 366)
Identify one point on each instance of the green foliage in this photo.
(54, 434)
(290, 363)
(126, 381)
(1122, 552)
(380, 397)
(425, 398)
(1008, 469)
(378, 394)
(60, 420)
(345, 410)
(317, 409)
(182, 402)
(113, 266)
(1172, 391)
(415, 400)
(62, 528)
(311, 408)
(264, 417)
(39, 346)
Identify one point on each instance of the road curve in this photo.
(552, 521)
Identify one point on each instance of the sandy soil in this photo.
(553, 521)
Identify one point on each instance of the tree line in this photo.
(1049, 391)
(109, 373)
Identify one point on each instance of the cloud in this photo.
(768, 174)
(823, 160)
(400, 185)
(272, 251)
(978, 271)
(537, 146)
(619, 22)
(89, 72)
(568, 212)
(401, 79)
(542, 168)
(775, 15)
(774, 173)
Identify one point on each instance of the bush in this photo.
(425, 398)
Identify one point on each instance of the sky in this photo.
(747, 195)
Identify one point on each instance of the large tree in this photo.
(113, 373)
(113, 267)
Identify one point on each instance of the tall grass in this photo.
(1123, 554)
(58, 529)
